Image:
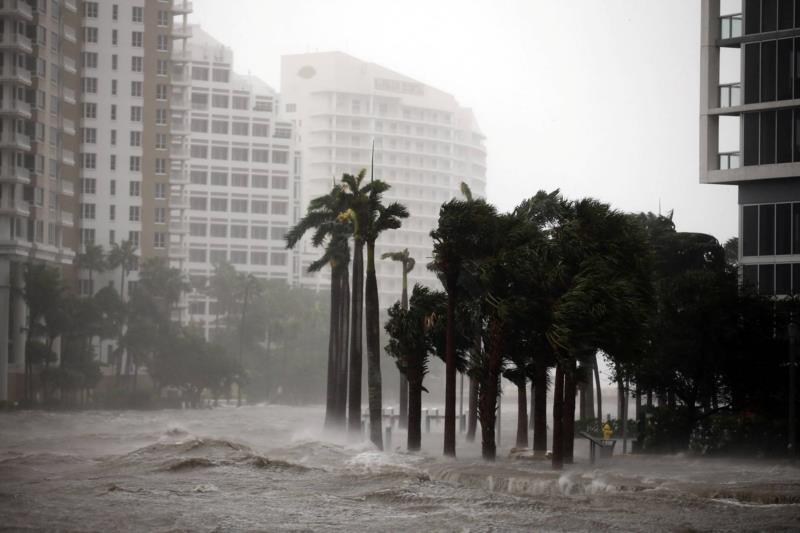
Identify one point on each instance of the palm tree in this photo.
(458, 239)
(92, 259)
(123, 256)
(407, 264)
(379, 218)
(415, 334)
(356, 198)
(328, 228)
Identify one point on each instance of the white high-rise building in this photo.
(243, 174)
(426, 145)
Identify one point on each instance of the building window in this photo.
(220, 75)
(259, 207)
(87, 236)
(160, 215)
(259, 232)
(219, 126)
(88, 211)
(88, 186)
(219, 204)
(198, 177)
(280, 157)
(219, 153)
(238, 180)
(133, 236)
(137, 63)
(260, 182)
(279, 207)
(135, 163)
(89, 59)
(219, 179)
(112, 212)
(161, 92)
(89, 110)
(137, 39)
(89, 85)
(240, 128)
(159, 239)
(260, 130)
(197, 229)
(278, 259)
(114, 37)
(219, 101)
(197, 255)
(200, 73)
(239, 257)
(199, 125)
(161, 166)
(138, 15)
(90, 10)
(89, 35)
(136, 89)
(161, 67)
(280, 182)
(135, 188)
(198, 203)
(238, 154)
(238, 231)
(161, 117)
(136, 138)
(260, 155)
(240, 102)
(89, 135)
(133, 213)
(161, 141)
(88, 160)
(161, 191)
(163, 18)
(199, 151)
(258, 258)
(218, 230)
(162, 43)
(238, 205)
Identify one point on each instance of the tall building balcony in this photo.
(69, 65)
(181, 31)
(181, 56)
(14, 207)
(179, 176)
(181, 7)
(14, 74)
(69, 95)
(730, 26)
(16, 41)
(179, 152)
(180, 127)
(67, 219)
(178, 252)
(16, 8)
(67, 188)
(181, 78)
(71, 5)
(68, 126)
(730, 94)
(178, 227)
(69, 34)
(9, 174)
(179, 201)
(15, 141)
(179, 102)
(68, 157)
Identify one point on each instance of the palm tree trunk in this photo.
(530, 411)
(540, 409)
(357, 303)
(599, 389)
(374, 384)
(472, 415)
(558, 418)
(450, 374)
(342, 348)
(522, 414)
(568, 415)
(403, 420)
(414, 402)
(488, 392)
(333, 332)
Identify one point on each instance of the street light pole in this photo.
(793, 332)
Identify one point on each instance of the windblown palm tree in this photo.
(322, 218)
(379, 218)
(93, 260)
(123, 256)
(407, 264)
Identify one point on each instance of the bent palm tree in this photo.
(407, 264)
(379, 218)
(93, 260)
(323, 219)
(123, 256)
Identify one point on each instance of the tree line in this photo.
(538, 295)
(255, 343)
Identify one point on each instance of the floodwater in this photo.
(270, 468)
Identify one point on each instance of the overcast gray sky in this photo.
(597, 98)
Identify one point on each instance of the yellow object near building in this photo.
(607, 431)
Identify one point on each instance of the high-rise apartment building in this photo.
(133, 152)
(243, 174)
(750, 130)
(426, 145)
(38, 115)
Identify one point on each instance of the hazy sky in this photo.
(597, 98)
